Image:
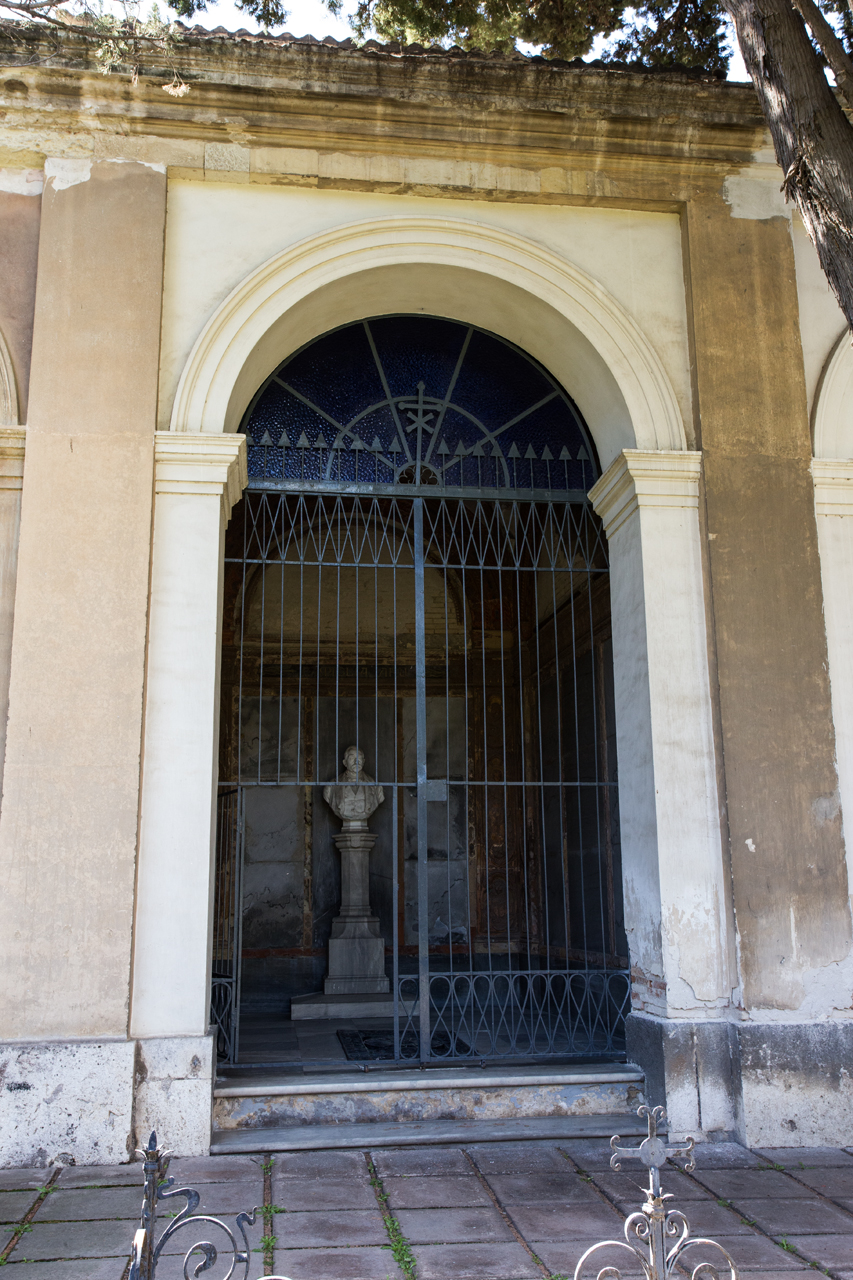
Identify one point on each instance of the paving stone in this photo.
(475, 1262)
(707, 1218)
(6, 1234)
(327, 1194)
(562, 1258)
(630, 1188)
(721, 1155)
(192, 1169)
(756, 1184)
(586, 1153)
(835, 1183)
(335, 1264)
(86, 1269)
(798, 1217)
(76, 1240)
(421, 1162)
(23, 1179)
(14, 1204)
(826, 1250)
(517, 1157)
(99, 1175)
(345, 1227)
(435, 1193)
(539, 1188)
(752, 1252)
(319, 1164)
(819, 1157)
(221, 1199)
(453, 1226)
(559, 1222)
(80, 1205)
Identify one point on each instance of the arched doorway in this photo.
(415, 571)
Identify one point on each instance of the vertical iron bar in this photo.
(421, 739)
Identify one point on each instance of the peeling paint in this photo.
(66, 173)
(22, 182)
(754, 197)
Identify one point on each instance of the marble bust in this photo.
(353, 797)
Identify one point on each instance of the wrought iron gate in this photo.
(430, 585)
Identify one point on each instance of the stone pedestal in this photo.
(356, 947)
(356, 982)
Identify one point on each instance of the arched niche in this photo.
(477, 275)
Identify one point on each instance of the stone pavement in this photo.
(491, 1211)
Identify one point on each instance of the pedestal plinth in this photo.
(356, 947)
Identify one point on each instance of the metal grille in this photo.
(416, 571)
(464, 647)
(227, 925)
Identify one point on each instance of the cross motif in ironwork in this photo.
(419, 417)
(652, 1151)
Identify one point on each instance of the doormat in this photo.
(373, 1046)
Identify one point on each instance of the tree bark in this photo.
(812, 136)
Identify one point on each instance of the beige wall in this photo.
(788, 867)
(68, 828)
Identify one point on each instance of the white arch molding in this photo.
(464, 271)
(833, 410)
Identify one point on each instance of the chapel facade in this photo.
(426, 608)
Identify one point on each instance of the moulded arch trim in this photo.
(204, 399)
(833, 411)
(8, 388)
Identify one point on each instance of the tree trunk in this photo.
(811, 134)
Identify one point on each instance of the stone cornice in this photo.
(638, 478)
(267, 94)
(203, 464)
(833, 486)
(12, 449)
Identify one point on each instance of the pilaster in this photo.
(677, 913)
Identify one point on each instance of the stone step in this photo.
(319, 1137)
(258, 1100)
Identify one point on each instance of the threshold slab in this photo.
(316, 1137)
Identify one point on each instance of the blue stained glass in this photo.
(365, 402)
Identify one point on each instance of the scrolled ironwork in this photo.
(146, 1252)
(654, 1225)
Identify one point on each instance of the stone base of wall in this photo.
(174, 1093)
(764, 1084)
(97, 1101)
(66, 1102)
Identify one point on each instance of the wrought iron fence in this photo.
(202, 1254)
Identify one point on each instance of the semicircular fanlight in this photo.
(416, 400)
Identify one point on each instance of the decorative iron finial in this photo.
(653, 1151)
(655, 1225)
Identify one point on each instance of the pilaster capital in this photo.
(640, 478)
(201, 463)
(12, 447)
(833, 486)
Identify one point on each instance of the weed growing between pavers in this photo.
(401, 1249)
(24, 1225)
